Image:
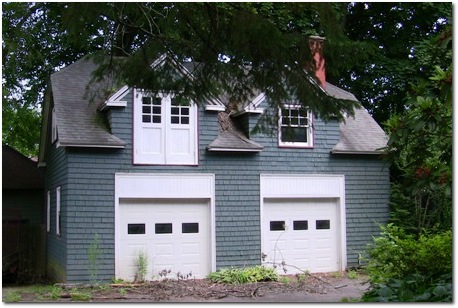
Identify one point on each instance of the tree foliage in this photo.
(35, 43)
(420, 147)
(393, 30)
(239, 46)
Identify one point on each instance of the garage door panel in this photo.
(301, 245)
(309, 239)
(163, 250)
(304, 261)
(278, 244)
(177, 236)
(324, 244)
(191, 249)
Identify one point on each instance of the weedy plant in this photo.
(122, 291)
(45, 292)
(352, 275)
(142, 267)
(94, 252)
(12, 297)
(80, 296)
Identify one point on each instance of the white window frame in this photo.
(166, 156)
(53, 125)
(58, 211)
(48, 211)
(308, 127)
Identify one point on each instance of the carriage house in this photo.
(186, 186)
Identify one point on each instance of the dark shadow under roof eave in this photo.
(357, 152)
(86, 145)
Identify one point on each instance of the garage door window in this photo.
(323, 224)
(136, 229)
(190, 227)
(163, 228)
(300, 225)
(277, 226)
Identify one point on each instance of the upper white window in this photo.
(295, 127)
(165, 130)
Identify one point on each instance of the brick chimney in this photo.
(316, 47)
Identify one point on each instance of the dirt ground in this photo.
(328, 287)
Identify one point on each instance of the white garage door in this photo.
(302, 233)
(173, 234)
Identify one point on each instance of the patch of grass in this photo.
(336, 274)
(302, 277)
(114, 280)
(44, 292)
(352, 275)
(349, 300)
(102, 287)
(80, 296)
(285, 279)
(122, 291)
(12, 297)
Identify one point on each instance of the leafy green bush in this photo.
(413, 288)
(403, 268)
(243, 275)
(396, 254)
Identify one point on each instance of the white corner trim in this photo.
(253, 106)
(232, 150)
(215, 108)
(178, 66)
(115, 104)
(115, 100)
(119, 94)
(255, 103)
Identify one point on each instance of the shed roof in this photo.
(78, 121)
(231, 138)
(360, 135)
(20, 172)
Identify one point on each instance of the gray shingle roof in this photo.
(78, 121)
(360, 134)
(339, 93)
